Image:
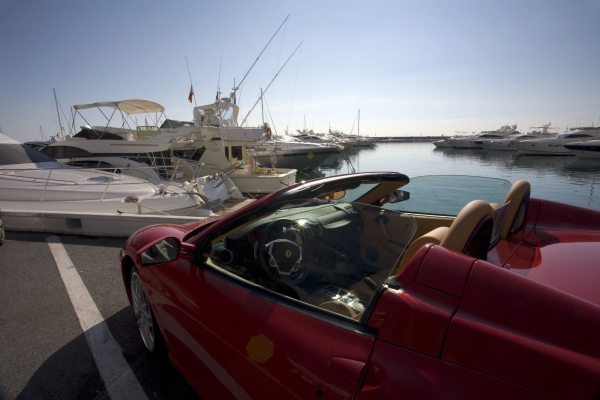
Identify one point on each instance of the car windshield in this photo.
(329, 254)
(448, 194)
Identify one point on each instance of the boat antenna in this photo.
(272, 121)
(267, 88)
(352, 130)
(42, 133)
(219, 80)
(57, 113)
(235, 89)
(191, 84)
(262, 107)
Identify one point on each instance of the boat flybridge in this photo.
(147, 144)
(256, 144)
(30, 180)
(474, 141)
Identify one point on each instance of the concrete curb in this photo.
(87, 224)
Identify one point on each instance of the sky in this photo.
(411, 67)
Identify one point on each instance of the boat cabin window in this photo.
(65, 152)
(90, 164)
(236, 153)
(16, 153)
(190, 154)
(146, 132)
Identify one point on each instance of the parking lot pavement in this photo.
(44, 351)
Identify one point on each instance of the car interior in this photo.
(334, 254)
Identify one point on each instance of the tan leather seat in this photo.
(470, 233)
(518, 196)
(435, 236)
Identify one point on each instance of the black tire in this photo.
(2, 233)
(147, 326)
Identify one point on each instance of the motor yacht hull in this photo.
(544, 147)
(499, 145)
(78, 190)
(463, 143)
(263, 180)
(249, 178)
(442, 144)
(589, 149)
(555, 146)
(476, 141)
(301, 159)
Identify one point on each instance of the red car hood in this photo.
(573, 268)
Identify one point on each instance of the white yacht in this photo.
(291, 154)
(555, 146)
(506, 144)
(474, 141)
(589, 149)
(441, 144)
(30, 180)
(248, 144)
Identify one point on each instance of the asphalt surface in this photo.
(43, 350)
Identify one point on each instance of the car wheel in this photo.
(2, 233)
(147, 326)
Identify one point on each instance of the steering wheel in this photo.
(282, 257)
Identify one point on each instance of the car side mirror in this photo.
(165, 250)
(395, 197)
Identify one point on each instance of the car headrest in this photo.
(518, 196)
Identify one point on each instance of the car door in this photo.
(233, 339)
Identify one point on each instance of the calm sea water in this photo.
(566, 179)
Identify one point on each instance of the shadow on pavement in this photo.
(70, 372)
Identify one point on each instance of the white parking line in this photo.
(119, 380)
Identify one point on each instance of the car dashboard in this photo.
(325, 251)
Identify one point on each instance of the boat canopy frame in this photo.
(126, 108)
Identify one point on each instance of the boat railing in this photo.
(9, 174)
(160, 170)
(103, 177)
(109, 175)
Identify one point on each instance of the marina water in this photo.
(566, 179)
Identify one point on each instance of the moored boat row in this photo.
(581, 141)
(177, 168)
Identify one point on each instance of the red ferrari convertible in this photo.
(367, 286)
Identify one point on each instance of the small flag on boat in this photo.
(191, 94)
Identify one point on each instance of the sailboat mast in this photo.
(57, 113)
(359, 122)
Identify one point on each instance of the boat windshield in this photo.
(16, 153)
